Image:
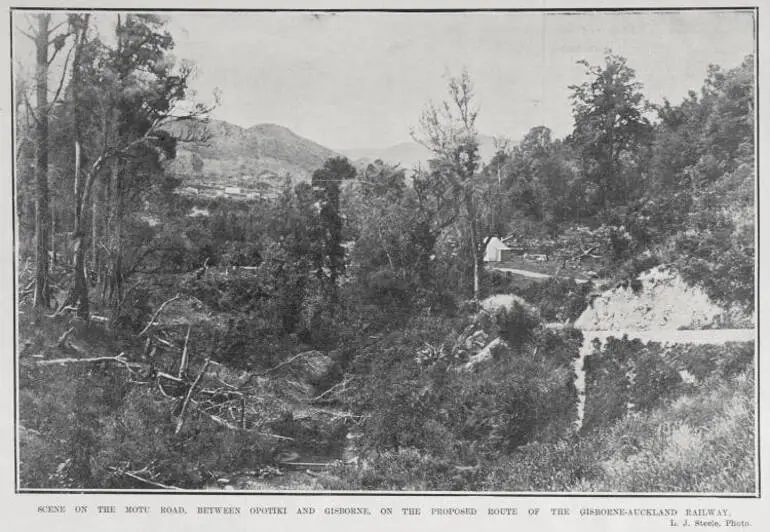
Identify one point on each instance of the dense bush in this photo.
(556, 299)
(655, 380)
(142, 434)
(606, 387)
(243, 344)
(511, 403)
(134, 312)
(626, 374)
(526, 393)
(712, 361)
(564, 465)
(402, 395)
(627, 272)
(84, 426)
(236, 293)
(66, 408)
(719, 257)
(516, 324)
(699, 443)
(407, 469)
(702, 442)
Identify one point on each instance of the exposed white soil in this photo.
(664, 302)
(665, 310)
(507, 301)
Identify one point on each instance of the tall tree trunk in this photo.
(115, 280)
(114, 274)
(80, 290)
(53, 236)
(94, 235)
(476, 273)
(83, 184)
(42, 221)
(79, 294)
(609, 188)
(470, 210)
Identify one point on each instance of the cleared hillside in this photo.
(261, 153)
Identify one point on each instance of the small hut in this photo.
(494, 250)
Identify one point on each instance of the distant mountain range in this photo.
(410, 154)
(266, 153)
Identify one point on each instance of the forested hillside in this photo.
(347, 333)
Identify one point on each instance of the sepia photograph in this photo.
(492, 251)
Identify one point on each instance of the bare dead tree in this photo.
(43, 41)
(448, 130)
(42, 221)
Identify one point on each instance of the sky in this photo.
(361, 80)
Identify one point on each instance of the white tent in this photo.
(494, 250)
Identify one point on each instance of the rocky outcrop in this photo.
(486, 355)
(498, 302)
(479, 343)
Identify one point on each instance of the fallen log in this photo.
(174, 388)
(166, 343)
(183, 362)
(157, 313)
(307, 465)
(222, 422)
(160, 374)
(276, 367)
(189, 396)
(230, 426)
(61, 310)
(119, 359)
(63, 338)
(146, 481)
(342, 384)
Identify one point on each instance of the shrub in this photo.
(698, 443)
(84, 424)
(497, 282)
(243, 344)
(624, 373)
(701, 443)
(526, 393)
(719, 256)
(563, 465)
(406, 470)
(142, 435)
(135, 311)
(655, 379)
(557, 299)
(66, 407)
(628, 272)
(606, 385)
(402, 402)
(517, 324)
(529, 395)
(712, 361)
